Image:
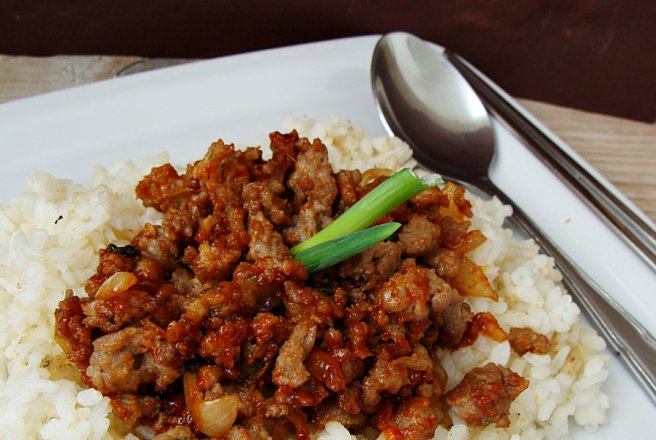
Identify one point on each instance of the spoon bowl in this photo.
(424, 100)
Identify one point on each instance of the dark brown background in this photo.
(593, 55)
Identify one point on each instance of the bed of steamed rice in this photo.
(51, 233)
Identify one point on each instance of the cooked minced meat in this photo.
(124, 360)
(524, 340)
(485, 394)
(419, 236)
(205, 326)
(290, 369)
(373, 266)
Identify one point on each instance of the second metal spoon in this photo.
(425, 101)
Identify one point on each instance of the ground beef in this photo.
(373, 266)
(164, 187)
(524, 340)
(334, 412)
(253, 429)
(484, 395)
(290, 369)
(210, 306)
(71, 333)
(413, 420)
(124, 360)
(443, 295)
(176, 433)
(419, 236)
(315, 190)
(348, 182)
(154, 242)
(408, 293)
(265, 241)
(391, 376)
(115, 313)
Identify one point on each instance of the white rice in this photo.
(349, 146)
(49, 241)
(565, 384)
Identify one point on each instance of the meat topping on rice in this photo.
(205, 326)
(524, 340)
(485, 394)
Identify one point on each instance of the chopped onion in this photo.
(116, 284)
(470, 280)
(214, 417)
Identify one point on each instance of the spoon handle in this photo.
(625, 335)
(630, 226)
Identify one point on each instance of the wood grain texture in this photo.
(623, 151)
(22, 76)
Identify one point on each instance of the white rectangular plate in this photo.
(241, 98)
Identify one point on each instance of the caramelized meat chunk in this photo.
(290, 369)
(391, 376)
(265, 241)
(454, 323)
(524, 340)
(484, 395)
(408, 293)
(126, 359)
(71, 333)
(373, 266)
(419, 236)
(176, 433)
(332, 412)
(348, 182)
(413, 420)
(315, 190)
(113, 314)
(164, 187)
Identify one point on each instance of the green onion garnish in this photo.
(378, 202)
(337, 250)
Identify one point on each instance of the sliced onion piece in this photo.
(145, 432)
(214, 417)
(463, 274)
(470, 280)
(116, 284)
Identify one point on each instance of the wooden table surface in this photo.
(623, 151)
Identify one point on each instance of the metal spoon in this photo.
(425, 101)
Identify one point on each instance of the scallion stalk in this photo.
(337, 250)
(378, 202)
